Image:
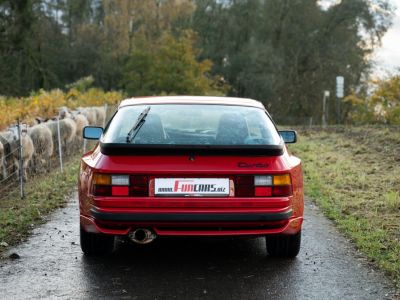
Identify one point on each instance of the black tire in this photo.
(93, 244)
(283, 245)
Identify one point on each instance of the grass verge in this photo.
(353, 174)
(44, 194)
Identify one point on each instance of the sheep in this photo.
(43, 142)
(67, 131)
(2, 163)
(100, 115)
(10, 145)
(90, 114)
(12, 153)
(27, 152)
(64, 112)
(81, 122)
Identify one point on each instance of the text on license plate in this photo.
(192, 186)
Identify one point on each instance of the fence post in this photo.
(21, 163)
(59, 143)
(325, 109)
(105, 114)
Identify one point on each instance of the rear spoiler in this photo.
(239, 150)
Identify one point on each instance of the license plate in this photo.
(191, 187)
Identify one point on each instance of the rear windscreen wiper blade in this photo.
(138, 124)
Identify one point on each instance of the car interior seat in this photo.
(232, 130)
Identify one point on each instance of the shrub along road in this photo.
(51, 265)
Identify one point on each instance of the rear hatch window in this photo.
(191, 125)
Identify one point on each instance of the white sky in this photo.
(387, 57)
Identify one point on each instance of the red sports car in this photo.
(190, 166)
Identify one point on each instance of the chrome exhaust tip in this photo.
(142, 236)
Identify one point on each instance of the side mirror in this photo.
(288, 136)
(92, 132)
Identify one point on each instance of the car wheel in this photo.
(96, 244)
(283, 245)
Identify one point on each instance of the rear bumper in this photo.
(193, 224)
(194, 217)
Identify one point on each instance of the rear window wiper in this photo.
(138, 124)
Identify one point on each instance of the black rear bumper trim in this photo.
(192, 217)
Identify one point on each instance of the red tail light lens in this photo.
(244, 186)
(282, 191)
(139, 180)
(120, 191)
(244, 180)
(139, 191)
(263, 191)
(102, 190)
(120, 185)
(139, 186)
(279, 185)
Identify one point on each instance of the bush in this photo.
(381, 106)
(46, 103)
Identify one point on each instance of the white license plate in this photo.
(191, 186)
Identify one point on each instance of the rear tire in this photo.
(283, 245)
(93, 244)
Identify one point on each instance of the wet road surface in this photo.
(52, 266)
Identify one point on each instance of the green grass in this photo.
(44, 194)
(353, 174)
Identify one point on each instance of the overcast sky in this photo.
(388, 56)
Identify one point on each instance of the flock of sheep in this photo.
(40, 142)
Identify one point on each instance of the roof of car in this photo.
(192, 100)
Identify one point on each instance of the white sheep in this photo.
(90, 114)
(67, 131)
(43, 142)
(81, 122)
(27, 152)
(11, 147)
(100, 115)
(2, 163)
(64, 112)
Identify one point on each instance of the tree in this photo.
(169, 66)
(18, 60)
(286, 53)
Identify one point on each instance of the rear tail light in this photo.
(120, 185)
(283, 190)
(101, 190)
(119, 180)
(139, 186)
(244, 186)
(263, 180)
(102, 179)
(263, 191)
(263, 186)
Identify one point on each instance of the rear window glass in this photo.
(176, 124)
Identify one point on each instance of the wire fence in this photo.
(29, 151)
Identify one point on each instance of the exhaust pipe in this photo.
(142, 236)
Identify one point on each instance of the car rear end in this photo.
(208, 187)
